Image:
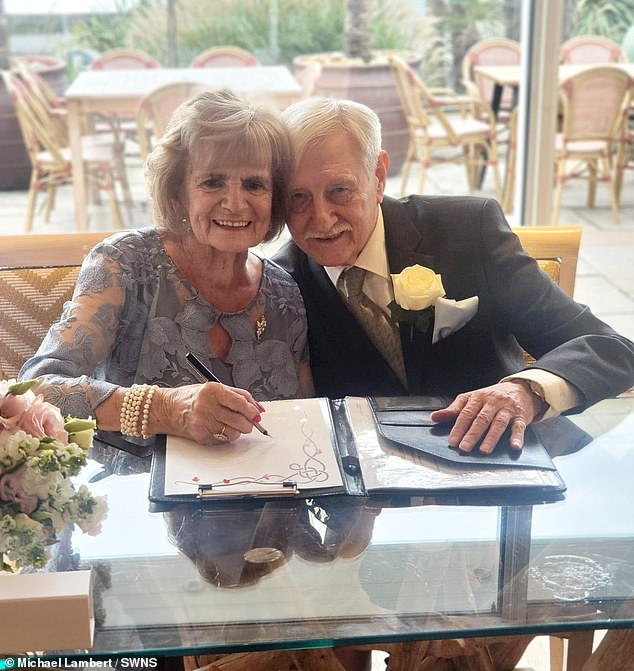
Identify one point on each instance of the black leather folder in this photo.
(389, 446)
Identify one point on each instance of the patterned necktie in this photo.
(383, 334)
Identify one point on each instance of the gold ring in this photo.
(222, 436)
(520, 423)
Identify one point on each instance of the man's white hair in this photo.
(313, 120)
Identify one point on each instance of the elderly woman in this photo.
(145, 298)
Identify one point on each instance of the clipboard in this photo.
(383, 446)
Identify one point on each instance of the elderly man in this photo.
(348, 238)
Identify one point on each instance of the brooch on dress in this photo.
(260, 327)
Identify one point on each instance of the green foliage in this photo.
(457, 25)
(395, 24)
(303, 27)
(102, 32)
(608, 18)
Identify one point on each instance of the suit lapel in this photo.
(403, 239)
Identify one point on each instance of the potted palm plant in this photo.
(363, 74)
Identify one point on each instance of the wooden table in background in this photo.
(120, 92)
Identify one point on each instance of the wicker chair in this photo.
(491, 51)
(224, 57)
(49, 154)
(625, 156)
(157, 107)
(124, 59)
(431, 129)
(37, 276)
(590, 49)
(594, 103)
(556, 250)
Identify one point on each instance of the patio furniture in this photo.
(625, 156)
(50, 155)
(227, 57)
(157, 107)
(590, 49)
(49, 105)
(556, 250)
(37, 276)
(593, 103)
(121, 91)
(431, 129)
(124, 59)
(508, 190)
(491, 51)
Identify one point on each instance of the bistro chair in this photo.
(156, 109)
(50, 105)
(37, 276)
(594, 103)
(508, 191)
(124, 59)
(430, 129)
(590, 49)
(224, 57)
(491, 51)
(625, 156)
(556, 250)
(50, 158)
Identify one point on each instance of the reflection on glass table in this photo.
(345, 570)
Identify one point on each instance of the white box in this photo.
(46, 611)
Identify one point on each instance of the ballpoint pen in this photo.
(202, 370)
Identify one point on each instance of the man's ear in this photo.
(382, 164)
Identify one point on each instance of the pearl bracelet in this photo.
(146, 411)
(131, 409)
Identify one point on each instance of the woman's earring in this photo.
(184, 220)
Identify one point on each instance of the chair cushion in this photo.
(31, 299)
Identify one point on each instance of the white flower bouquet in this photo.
(39, 453)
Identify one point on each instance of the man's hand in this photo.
(486, 413)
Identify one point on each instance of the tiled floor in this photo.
(605, 277)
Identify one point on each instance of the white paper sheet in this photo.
(299, 449)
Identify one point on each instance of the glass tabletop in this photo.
(354, 570)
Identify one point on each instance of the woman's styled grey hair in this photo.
(220, 128)
(313, 120)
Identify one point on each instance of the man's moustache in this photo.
(332, 233)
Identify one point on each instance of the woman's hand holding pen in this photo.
(209, 414)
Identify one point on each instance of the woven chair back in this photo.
(224, 57)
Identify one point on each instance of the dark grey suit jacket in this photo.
(468, 241)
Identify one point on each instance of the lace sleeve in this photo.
(83, 339)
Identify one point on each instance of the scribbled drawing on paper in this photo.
(299, 449)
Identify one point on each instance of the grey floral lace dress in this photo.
(134, 316)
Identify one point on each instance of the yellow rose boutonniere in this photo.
(416, 289)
